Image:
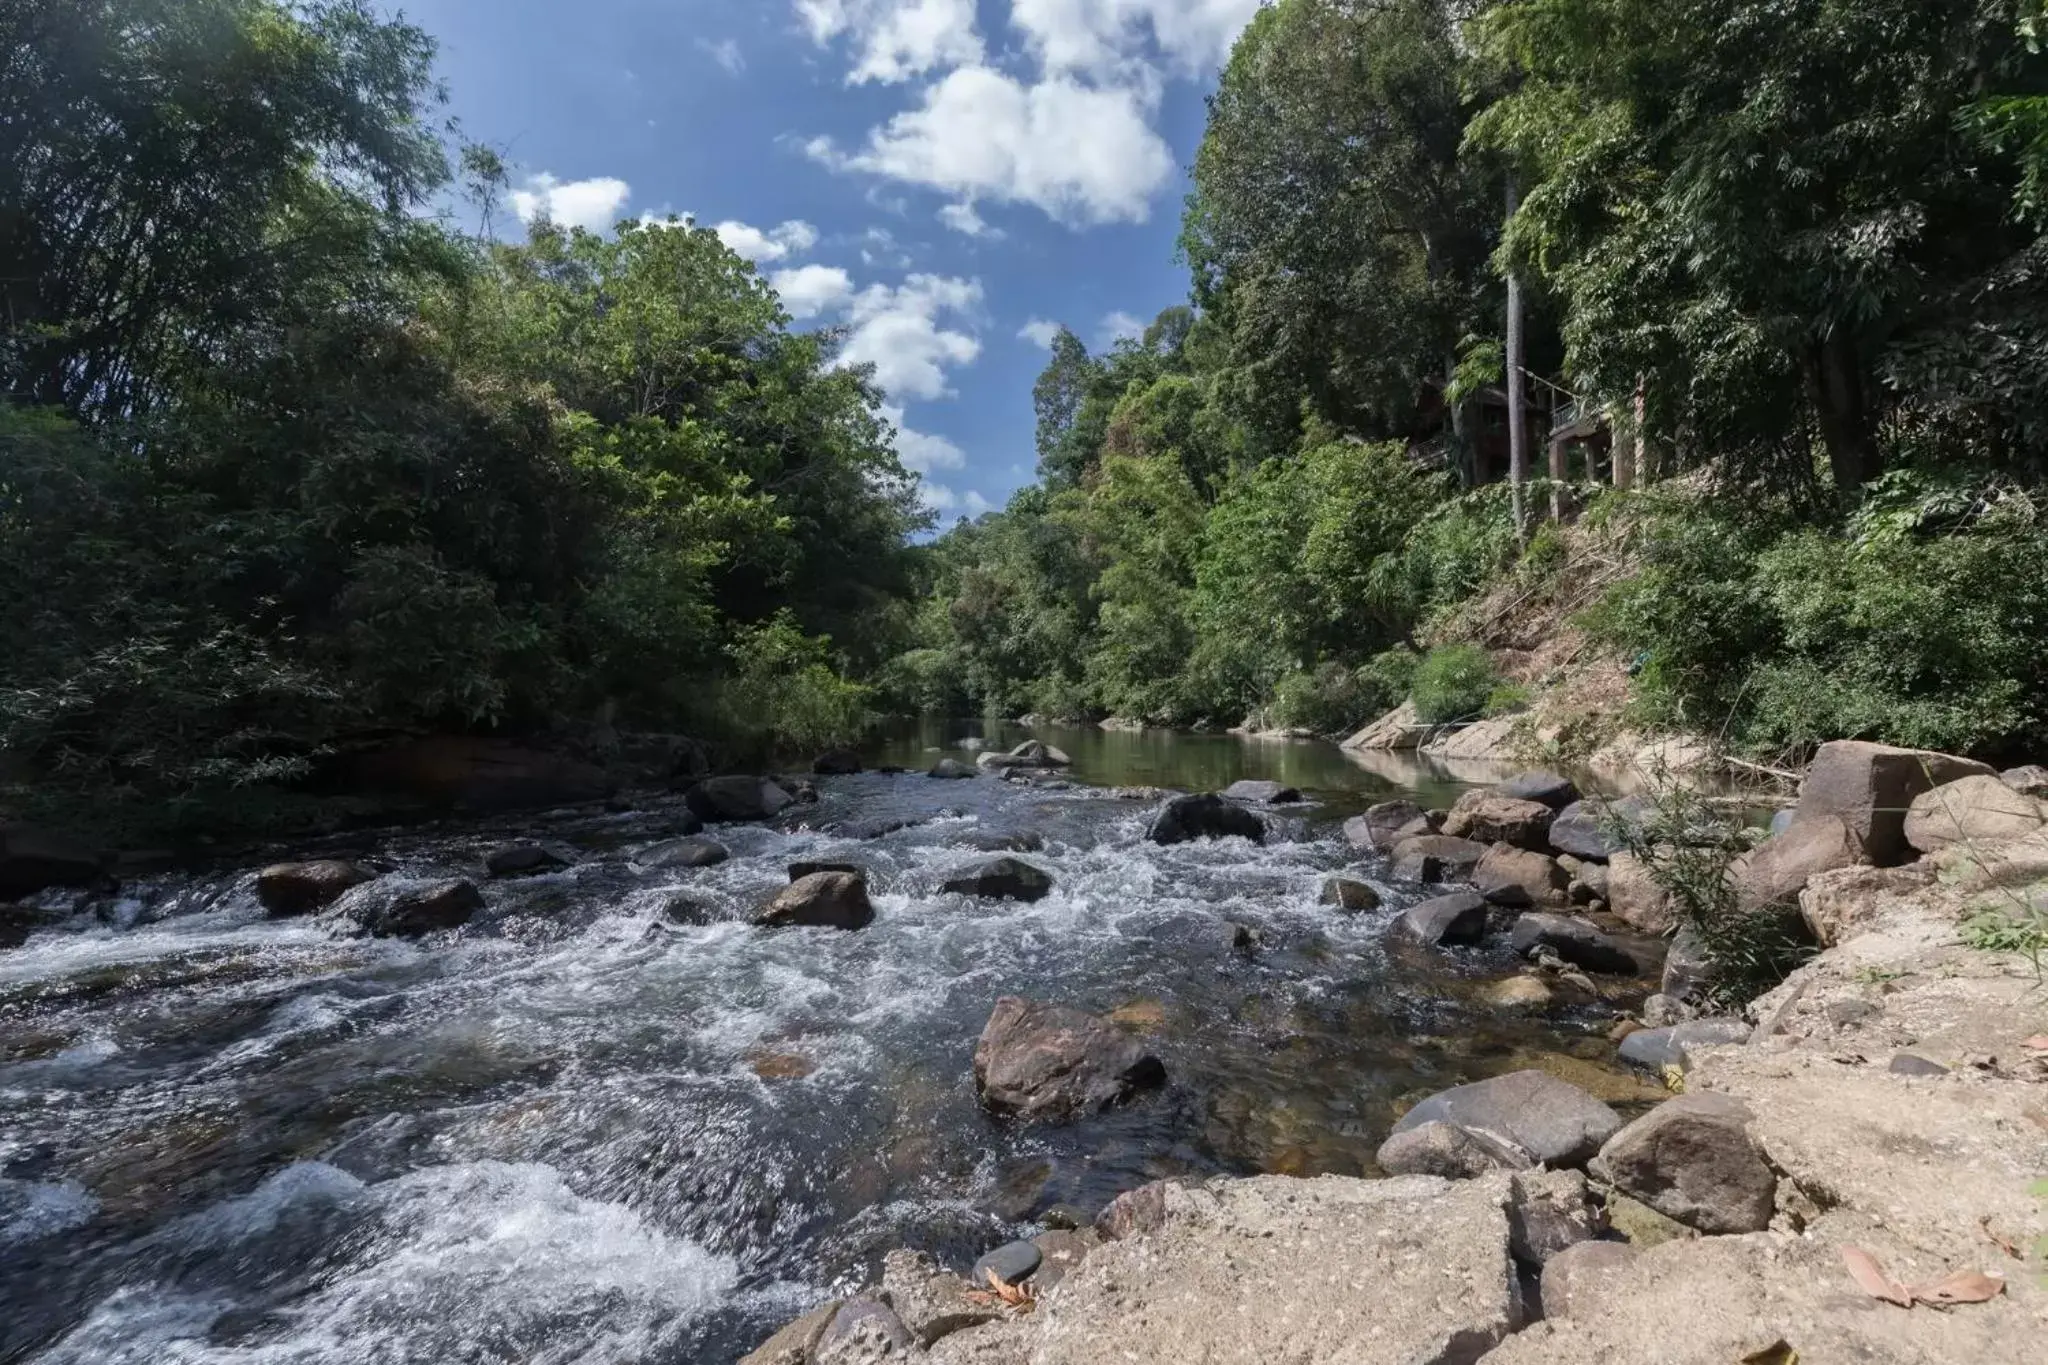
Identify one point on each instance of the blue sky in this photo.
(943, 177)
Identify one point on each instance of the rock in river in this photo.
(1574, 940)
(950, 768)
(1043, 1061)
(1268, 793)
(1554, 1121)
(1445, 1149)
(1007, 879)
(33, 858)
(522, 859)
(409, 912)
(1518, 877)
(1204, 815)
(1348, 893)
(736, 798)
(831, 900)
(1457, 918)
(836, 763)
(683, 853)
(1551, 789)
(1385, 825)
(301, 888)
(1486, 818)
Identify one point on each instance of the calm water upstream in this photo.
(572, 1132)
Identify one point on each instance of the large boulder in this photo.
(1459, 917)
(1692, 1159)
(1576, 941)
(1348, 893)
(1592, 828)
(1636, 897)
(2028, 780)
(1972, 810)
(32, 858)
(1053, 1062)
(1267, 793)
(476, 772)
(1455, 857)
(1834, 903)
(1329, 1271)
(1557, 1123)
(731, 799)
(1445, 1149)
(1385, 825)
(18, 922)
(1774, 872)
(410, 911)
(1204, 815)
(1400, 728)
(1551, 789)
(1030, 754)
(524, 859)
(795, 1342)
(826, 900)
(836, 763)
(1658, 1049)
(1487, 818)
(1518, 877)
(1869, 788)
(1004, 879)
(301, 888)
(951, 768)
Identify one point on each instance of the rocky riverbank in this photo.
(1851, 1172)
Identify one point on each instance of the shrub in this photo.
(784, 691)
(1326, 700)
(1452, 683)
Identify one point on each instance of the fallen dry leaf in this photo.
(2007, 1247)
(1871, 1279)
(1965, 1286)
(1015, 1295)
(2039, 1042)
(1779, 1352)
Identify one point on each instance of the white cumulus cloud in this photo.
(942, 499)
(593, 204)
(963, 218)
(792, 238)
(1110, 35)
(895, 40)
(920, 451)
(808, 290)
(904, 333)
(1039, 332)
(726, 52)
(1117, 326)
(1082, 154)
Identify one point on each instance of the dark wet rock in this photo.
(836, 763)
(1066, 1217)
(1550, 789)
(1053, 1062)
(1587, 828)
(1424, 869)
(476, 772)
(683, 853)
(1133, 1212)
(1348, 893)
(829, 900)
(736, 799)
(800, 870)
(891, 769)
(1549, 1212)
(864, 1330)
(1012, 1262)
(931, 1302)
(1459, 917)
(1692, 1159)
(1485, 818)
(1657, 1048)
(1008, 879)
(17, 922)
(1907, 1064)
(301, 888)
(1384, 825)
(412, 911)
(1448, 1150)
(32, 859)
(2030, 780)
(1554, 1121)
(1267, 793)
(1574, 940)
(1456, 857)
(1016, 841)
(795, 1342)
(1517, 877)
(524, 859)
(683, 908)
(951, 768)
(1566, 1274)
(1687, 968)
(1246, 939)
(871, 829)
(1204, 815)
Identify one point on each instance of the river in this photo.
(575, 1132)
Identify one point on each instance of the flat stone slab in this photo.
(1554, 1121)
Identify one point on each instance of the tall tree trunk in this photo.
(1461, 441)
(1841, 401)
(1518, 426)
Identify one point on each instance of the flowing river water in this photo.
(576, 1132)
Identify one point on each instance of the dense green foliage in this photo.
(285, 464)
(1811, 234)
